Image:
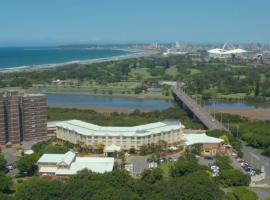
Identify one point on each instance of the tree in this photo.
(193, 186)
(257, 87)
(232, 177)
(241, 193)
(115, 194)
(121, 155)
(152, 175)
(2, 84)
(5, 183)
(3, 162)
(39, 189)
(100, 147)
(184, 167)
(155, 157)
(225, 138)
(26, 164)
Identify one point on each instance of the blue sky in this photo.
(36, 22)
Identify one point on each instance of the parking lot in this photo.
(254, 157)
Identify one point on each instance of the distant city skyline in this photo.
(35, 23)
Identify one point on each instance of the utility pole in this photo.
(221, 117)
(214, 109)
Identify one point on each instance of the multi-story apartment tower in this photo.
(34, 116)
(22, 117)
(2, 120)
(12, 117)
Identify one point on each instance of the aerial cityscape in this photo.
(134, 100)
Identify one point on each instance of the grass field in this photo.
(194, 71)
(141, 73)
(172, 71)
(231, 96)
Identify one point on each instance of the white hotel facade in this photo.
(76, 132)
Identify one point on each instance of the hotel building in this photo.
(76, 132)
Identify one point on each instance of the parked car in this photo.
(10, 167)
(234, 154)
(252, 173)
(240, 160)
(208, 158)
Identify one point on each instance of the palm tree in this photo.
(163, 145)
(143, 149)
(121, 155)
(100, 147)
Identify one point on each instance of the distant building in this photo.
(70, 164)
(154, 90)
(77, 132)
(22, 117)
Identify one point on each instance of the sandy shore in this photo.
(254, 114)
(133, 54)
(99, 109)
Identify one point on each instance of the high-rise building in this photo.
(2, 120)
(22, 117)
(12, 117)
(34, 116)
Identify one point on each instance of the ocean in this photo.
(12, 57)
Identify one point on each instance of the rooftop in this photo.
(73, 164)
(85, 128)
(191, 139)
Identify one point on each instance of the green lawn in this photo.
(172, 71)
(231, 96)
(139, 73)
(194, 71)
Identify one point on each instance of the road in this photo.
(197, 110)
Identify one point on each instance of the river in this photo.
(63, 100)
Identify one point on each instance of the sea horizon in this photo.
(12, 58)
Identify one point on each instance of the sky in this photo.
(49, 22)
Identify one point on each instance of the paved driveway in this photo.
(139, 164)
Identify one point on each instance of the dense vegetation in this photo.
(254, 133)
(122, 119)
(210, 79)
(26, 164)
(188, 180)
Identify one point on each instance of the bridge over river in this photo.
(201, 113)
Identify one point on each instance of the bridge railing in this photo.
(206, 118)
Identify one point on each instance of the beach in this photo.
(134, 53)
